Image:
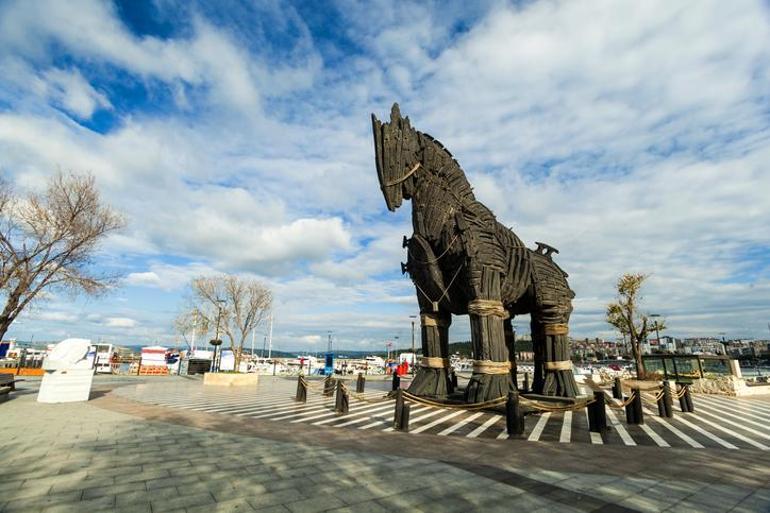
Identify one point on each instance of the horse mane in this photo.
(453, 173)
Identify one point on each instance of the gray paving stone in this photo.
(362, 507)
(229, 506)
(285, 496)
(144, 497)
(166, 482)
(40, 501)
(182, 501)
(315, 504)
(98, 504)
(278, 508)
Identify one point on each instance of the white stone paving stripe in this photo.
(566, 428)
(455, 427)
(655, 436)
(277, 411)
(764, 425)
(351, 411)
(436, 422)
(486, 425)
(707, 434)
(503, 434)
(233, 408)
(732, 431)
(687, 439)
(380, 422)
(303, 413)
(417, 419)
(734, 406)
(596, 438)
(620, 428)
(534, 436)
(286, 404)
(373, 409)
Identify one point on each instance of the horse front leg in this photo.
(432, 376)
(491, 377)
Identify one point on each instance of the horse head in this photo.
(397, 154)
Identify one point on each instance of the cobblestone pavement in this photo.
(112, 454)
(718, 422)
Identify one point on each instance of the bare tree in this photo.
(237, 305)
(48, 241)
(624, 314)
(191, 322)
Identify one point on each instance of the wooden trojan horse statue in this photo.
(462, 261)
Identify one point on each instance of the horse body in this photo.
(463, 261)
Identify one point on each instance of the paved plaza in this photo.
(137, 448)
(718, 422)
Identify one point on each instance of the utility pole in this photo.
(270, 338)
(414, 353)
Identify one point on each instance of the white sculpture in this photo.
(69, 372)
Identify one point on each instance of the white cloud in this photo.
(120, 322)
(632, 136)
(74, 93)
(311, 339)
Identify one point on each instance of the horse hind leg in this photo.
(432, 378)
(553, 364)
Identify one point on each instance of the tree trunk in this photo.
(4, 325)
(636, 348)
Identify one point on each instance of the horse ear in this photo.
(395, 113)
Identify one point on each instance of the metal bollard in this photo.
(617, 389)
(396, 382)
(454, 381)
(629, 412)
(301, 396)
(514, 420)
(597, 414)
(342, 402)
(399, 408)
(685, 400)
(329, 384)
(637, 406)
(360, 384)
(403, 424)
(668, 403)
(525, 387)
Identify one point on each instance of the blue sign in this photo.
(329, 364)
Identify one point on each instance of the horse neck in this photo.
(440, 187)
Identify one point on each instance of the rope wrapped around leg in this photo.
(491, 367)
(431, 319)
(434, 362)
(487, 308)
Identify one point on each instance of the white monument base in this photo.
(65, 386)
(68, 373)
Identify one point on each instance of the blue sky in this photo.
(235, 137)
